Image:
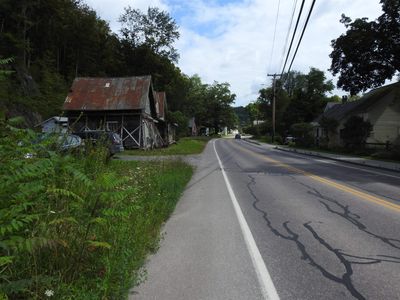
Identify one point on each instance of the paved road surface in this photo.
(325, 230)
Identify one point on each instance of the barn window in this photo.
(112, 126)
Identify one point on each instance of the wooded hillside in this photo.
(52, 42)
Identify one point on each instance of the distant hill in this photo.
(243, 115)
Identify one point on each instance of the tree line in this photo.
(300, 98)
(363, 57)
(52, 42)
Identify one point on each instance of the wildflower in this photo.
(49, 293)
(52, 212)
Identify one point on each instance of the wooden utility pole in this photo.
(273, 103)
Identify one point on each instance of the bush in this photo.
(278, 140)
(355, 132)
(303, 134)
(78, 227)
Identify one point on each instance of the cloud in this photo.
(231, 41)
(111, 10)
(240, 53)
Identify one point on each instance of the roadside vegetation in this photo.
(184, 146)
(78, 226)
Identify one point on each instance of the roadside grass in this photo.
(79, 227)
(158, 186)
(185, 146)
(379, 155)
(341, 151)
(265, 139)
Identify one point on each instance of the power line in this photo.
(273, 40)
(302, 33)
(288, 32)
(294, 33)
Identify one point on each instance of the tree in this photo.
(308, 97)
(180, 119)
(3, 71)
(303, 134)
(329, 126)
(243, 115)
(217, 100)
(155, 30)
(355, 132)
(253, 112)
(369, 52)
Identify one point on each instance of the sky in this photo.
(233, 40)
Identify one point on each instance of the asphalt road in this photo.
(325, 230)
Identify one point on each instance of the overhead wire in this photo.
(273, 39)
(301, 36)
(288, 33)
(293, 36)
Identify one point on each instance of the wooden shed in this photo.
(128, 106)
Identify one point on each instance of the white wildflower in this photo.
(49, 293)
(52, 212)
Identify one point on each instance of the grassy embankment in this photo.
(79, 227)
(372, 154)
(363, 153)
(185, 146)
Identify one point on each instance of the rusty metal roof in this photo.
(161, 100)
(124, 93)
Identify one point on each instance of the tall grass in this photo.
(78, 227)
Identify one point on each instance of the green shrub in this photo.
(78, 226)
(303, 134)
(278, 140)
(355, 132)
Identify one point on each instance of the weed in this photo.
(185, 146)
(78, 226)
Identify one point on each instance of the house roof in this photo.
(162, 103)
(125, 93)
(340, 111)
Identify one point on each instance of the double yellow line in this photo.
(328, 182)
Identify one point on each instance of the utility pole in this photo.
(273, 103)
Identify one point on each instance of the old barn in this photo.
(128, 106)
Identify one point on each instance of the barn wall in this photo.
(136, 130)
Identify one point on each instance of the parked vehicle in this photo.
(45, 142)
(110, 139)
(289, 139)
(238, 136)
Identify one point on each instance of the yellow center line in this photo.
(331, 183)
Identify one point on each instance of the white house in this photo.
(381, 107)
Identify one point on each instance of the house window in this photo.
(112, 126)
(341, 133)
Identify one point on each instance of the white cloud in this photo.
(111, 10)
(232, 42)
(241, 53)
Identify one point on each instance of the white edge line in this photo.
(264, 278)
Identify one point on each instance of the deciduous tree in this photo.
(369, 52)
(155, 30)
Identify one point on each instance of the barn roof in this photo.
(125, 93)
